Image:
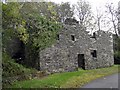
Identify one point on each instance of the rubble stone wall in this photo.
(74, 40)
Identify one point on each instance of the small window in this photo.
(58, 37)
(72, 37)
(94, 35)
(94, 53)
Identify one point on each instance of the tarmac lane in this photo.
(112, 81)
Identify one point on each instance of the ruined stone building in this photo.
(75, 48)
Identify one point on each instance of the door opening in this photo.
(81, 61)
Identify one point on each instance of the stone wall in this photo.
(103, 44)
(72, 41)
(105, 49)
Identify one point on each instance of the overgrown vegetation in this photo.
(116, 50)
(67, 79)
(10, 68)
(35, 28)
(35, 25)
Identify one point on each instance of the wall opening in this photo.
(58, 37)
(72, 37)
(81, 61)
(94, 53)
(19, 52)
(94, 35)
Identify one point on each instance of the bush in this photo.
(11, 68)
(13, 71)
(117, 57)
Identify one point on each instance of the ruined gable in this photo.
(76, 49)
(71, 21)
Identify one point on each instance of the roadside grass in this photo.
(68, 79)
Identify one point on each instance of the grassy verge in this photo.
(67, 79)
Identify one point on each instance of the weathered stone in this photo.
(75, 48)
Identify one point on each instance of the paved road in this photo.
(105, 82)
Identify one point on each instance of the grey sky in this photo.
(99, 4)
(93, 3)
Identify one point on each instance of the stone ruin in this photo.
(75, 48)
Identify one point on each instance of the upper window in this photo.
(94, 53)
(94, 35)
(72, 37)
(58, 37)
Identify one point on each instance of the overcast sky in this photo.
(99, 4)
(93, 3)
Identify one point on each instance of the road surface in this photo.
(105, 82)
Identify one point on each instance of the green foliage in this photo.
(116, 43)
(45, 33)
(64, 11)
(10, 68)
(13, 22)
(30, 26)
(67, 79)
(117, 57)
(28, 22)
(11, 10)
(116, 49)
(117, 54)
(6, 37)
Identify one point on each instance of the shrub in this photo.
(117, 57)
(11, 68)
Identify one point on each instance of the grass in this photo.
(67, 79)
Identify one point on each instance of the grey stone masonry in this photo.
(75, 48)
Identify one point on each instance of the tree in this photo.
(37, 30)
(83, 11)
(39, 22)
(64, 11)
(99, 17)
(113, 17)
(113, 20)
(12, 22)
(48, 9)
(100, 20)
